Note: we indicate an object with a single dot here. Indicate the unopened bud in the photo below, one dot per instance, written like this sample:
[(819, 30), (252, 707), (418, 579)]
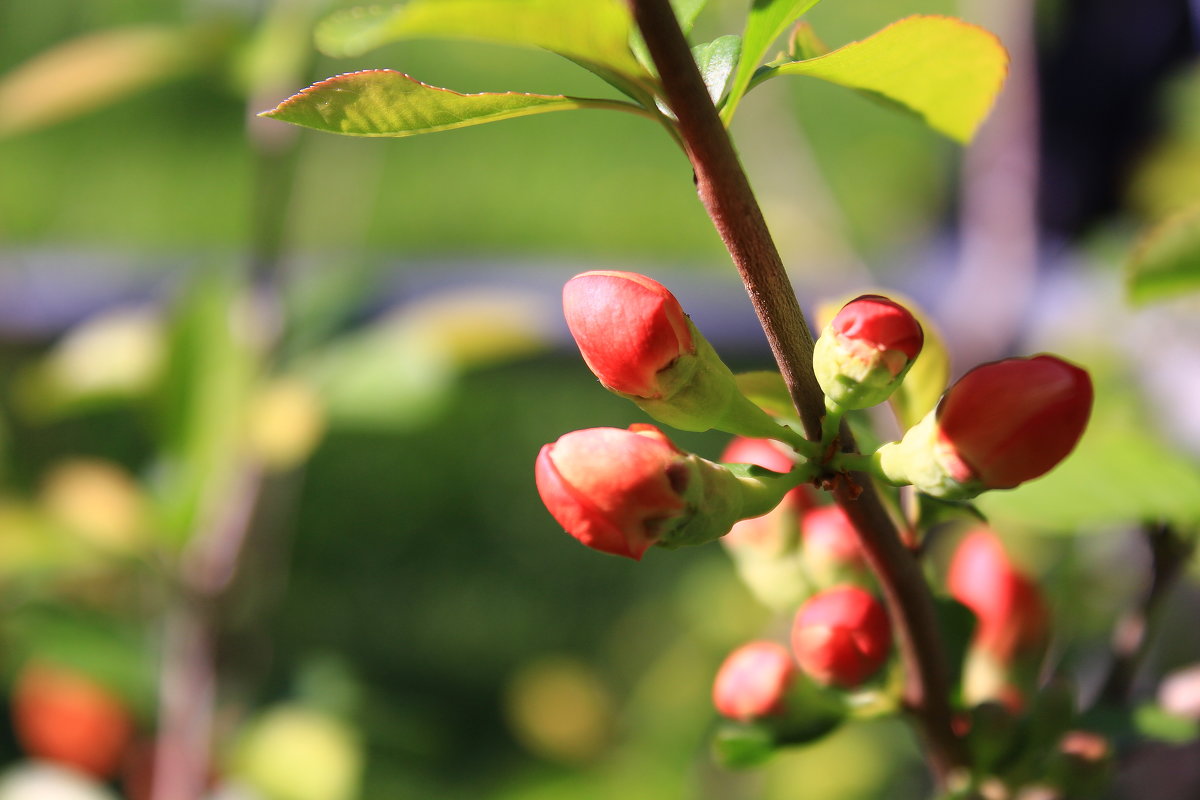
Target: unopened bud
[(635, 337), (841, 637), (753, 681), (1001, 424), (863, 354), (621, 491)]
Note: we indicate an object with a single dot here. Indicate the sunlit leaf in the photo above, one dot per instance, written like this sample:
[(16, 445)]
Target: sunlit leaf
[(767, 21), (1166, 262), (716, 61), (89, 72), (944, 70), (804, 43), (592, 31), (387, 103)]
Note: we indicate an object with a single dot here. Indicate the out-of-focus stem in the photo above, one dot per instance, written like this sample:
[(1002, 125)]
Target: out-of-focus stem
[(725, 192), (1169, 553)]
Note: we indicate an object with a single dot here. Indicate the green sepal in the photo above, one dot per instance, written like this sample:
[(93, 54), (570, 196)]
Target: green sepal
[(700, 393), (849, 380), (914, 460), (717, 496)]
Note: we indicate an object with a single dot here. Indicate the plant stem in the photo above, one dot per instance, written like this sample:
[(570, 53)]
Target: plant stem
[(1169, 554), (725, 193)]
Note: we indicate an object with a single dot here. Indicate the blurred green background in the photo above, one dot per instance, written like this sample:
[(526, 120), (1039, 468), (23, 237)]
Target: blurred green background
[(407, 621)]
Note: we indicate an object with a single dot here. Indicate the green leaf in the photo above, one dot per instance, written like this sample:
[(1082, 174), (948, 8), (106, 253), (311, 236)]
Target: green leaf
[(383, 102), (944, 70), (804, 43), (767, 21), (742, 746), (1120, 472), (1166, 262), (716, 61), (1153, 722), (767, 390), (213, 358), (595, 32)]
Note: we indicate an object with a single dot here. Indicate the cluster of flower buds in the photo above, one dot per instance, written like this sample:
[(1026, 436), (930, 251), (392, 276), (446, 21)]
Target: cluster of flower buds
[(624, 491), (840, 639)]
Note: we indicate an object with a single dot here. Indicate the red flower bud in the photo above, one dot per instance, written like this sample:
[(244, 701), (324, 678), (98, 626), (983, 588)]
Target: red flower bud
[(628, 328), (841, 637), (864, 352), (61, 716), (613, 489), (1011, 421), (753, 681), (878, 328), (1012, 614)]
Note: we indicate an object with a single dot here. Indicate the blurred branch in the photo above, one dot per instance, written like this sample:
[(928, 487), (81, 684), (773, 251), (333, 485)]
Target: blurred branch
[(1132, 636), (984, 306), (726, 194)]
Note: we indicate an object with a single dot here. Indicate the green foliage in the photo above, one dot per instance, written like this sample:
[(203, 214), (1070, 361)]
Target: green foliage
[(386, 103), (943, 70), (594, 32), (767, 21), (1166, 262), (716, 60)]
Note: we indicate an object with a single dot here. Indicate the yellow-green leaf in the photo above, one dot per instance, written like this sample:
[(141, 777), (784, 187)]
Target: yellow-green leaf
[(944, 70), (384, 102), (592, 31), (1166, 261), (767, 21)]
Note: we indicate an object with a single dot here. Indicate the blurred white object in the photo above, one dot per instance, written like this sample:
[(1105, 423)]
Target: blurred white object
[(39, 780), (1179, 693)]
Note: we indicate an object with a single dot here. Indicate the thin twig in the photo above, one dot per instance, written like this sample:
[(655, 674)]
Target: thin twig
[(725, 192), (1169, 553)]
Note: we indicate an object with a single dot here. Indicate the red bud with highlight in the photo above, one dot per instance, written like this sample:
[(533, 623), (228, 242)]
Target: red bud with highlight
[(841, 637), (634, 336), (864, 353), (629, 329), (613, 490), (621, 491), (1012, 615), (1001, 424), (753, 681), (63, 716)]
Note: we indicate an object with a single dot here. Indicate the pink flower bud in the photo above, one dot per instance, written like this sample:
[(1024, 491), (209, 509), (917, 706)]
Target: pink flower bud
[(841, 637), (613, 489), (1011, 421), (863, 354), (628, 328), (753, 681), (829, 536), (765, 453), (1012, 614)]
